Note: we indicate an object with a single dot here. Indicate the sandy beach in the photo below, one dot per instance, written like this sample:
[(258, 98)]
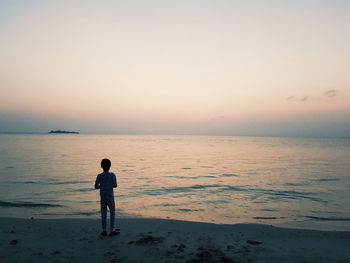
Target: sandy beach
[(157, 240)]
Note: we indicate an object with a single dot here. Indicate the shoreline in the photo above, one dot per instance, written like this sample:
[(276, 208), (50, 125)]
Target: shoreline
[(165, 240), (320, 224)]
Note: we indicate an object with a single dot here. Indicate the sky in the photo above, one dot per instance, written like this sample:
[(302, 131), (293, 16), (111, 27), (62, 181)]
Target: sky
[(257, 68)]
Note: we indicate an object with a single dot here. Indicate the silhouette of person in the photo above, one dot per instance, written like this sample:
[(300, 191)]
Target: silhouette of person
[(106, 181)]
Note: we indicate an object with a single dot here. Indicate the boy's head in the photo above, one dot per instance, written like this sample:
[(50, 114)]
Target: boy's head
[(105, 164)]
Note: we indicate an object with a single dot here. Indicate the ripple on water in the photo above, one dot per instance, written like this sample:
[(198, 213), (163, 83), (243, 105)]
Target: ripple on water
[(328, 180), (26, 204), (328, 218), (186, 210), (84, 189), (49, 182), (191, 177), (170, 190), (264, 217), (229, 175), (284, 194)]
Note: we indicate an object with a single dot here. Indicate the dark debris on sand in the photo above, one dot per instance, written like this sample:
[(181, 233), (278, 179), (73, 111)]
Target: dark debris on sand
[(14, 242), (210, 255), (148, 240), (253, 242), (179, 248), (116, 260), (176, 250)]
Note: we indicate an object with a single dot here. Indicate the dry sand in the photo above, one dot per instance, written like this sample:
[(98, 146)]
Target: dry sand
[(156, 240)]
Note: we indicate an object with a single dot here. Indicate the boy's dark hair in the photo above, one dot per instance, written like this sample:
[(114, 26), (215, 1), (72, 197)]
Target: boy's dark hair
[(105, 164)]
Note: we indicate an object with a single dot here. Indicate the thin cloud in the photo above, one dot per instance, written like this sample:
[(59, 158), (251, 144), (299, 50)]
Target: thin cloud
[(331, 93), (217, 118), (302, 99), (305, 98)]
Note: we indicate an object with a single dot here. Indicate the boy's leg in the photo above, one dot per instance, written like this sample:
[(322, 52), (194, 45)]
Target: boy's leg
[(104, 213), (111, 205)]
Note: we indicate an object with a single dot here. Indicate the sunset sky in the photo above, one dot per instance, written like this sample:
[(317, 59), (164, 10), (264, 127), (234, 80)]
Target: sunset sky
[(276, 68)]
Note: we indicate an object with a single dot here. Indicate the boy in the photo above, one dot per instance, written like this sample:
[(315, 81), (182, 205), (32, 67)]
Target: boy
[(106, 181)]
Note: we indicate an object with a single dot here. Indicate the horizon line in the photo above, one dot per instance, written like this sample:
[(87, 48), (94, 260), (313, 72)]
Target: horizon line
[(178, 134)]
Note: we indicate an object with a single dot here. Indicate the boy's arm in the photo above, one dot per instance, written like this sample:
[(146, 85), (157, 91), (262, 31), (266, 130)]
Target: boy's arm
[(97, 182), (115, 181)]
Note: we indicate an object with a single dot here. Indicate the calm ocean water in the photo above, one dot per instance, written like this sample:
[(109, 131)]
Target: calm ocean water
[(279, 181)]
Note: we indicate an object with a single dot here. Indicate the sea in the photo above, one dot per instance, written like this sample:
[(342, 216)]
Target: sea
[(288, 182)]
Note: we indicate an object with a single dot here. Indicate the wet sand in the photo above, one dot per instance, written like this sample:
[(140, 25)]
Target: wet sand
[(157, 240)]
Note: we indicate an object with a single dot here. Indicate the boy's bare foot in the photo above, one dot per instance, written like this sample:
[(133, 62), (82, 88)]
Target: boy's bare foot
[(114, 233), (103, 233)]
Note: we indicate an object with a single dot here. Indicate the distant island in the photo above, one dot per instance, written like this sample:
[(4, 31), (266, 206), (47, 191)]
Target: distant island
[(63, 132)]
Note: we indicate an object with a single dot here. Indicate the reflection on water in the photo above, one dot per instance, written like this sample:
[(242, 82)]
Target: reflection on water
[(199, 178)]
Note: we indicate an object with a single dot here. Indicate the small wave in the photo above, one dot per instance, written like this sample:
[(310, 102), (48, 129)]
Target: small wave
[(214, 202), (170, 190), (84, 189), (255, 193), (70, 214), (191, 177), (329, 218), (264, 217), (272, 194), (217, 202), (232, 188), (294, 184), (50, 182), (328, 179), (26, 204), (27, 182), (189, 210), (229, 175), (71, 182), (186, 168), (204, 186), (269, 210), (289, 194), (166, 205)]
